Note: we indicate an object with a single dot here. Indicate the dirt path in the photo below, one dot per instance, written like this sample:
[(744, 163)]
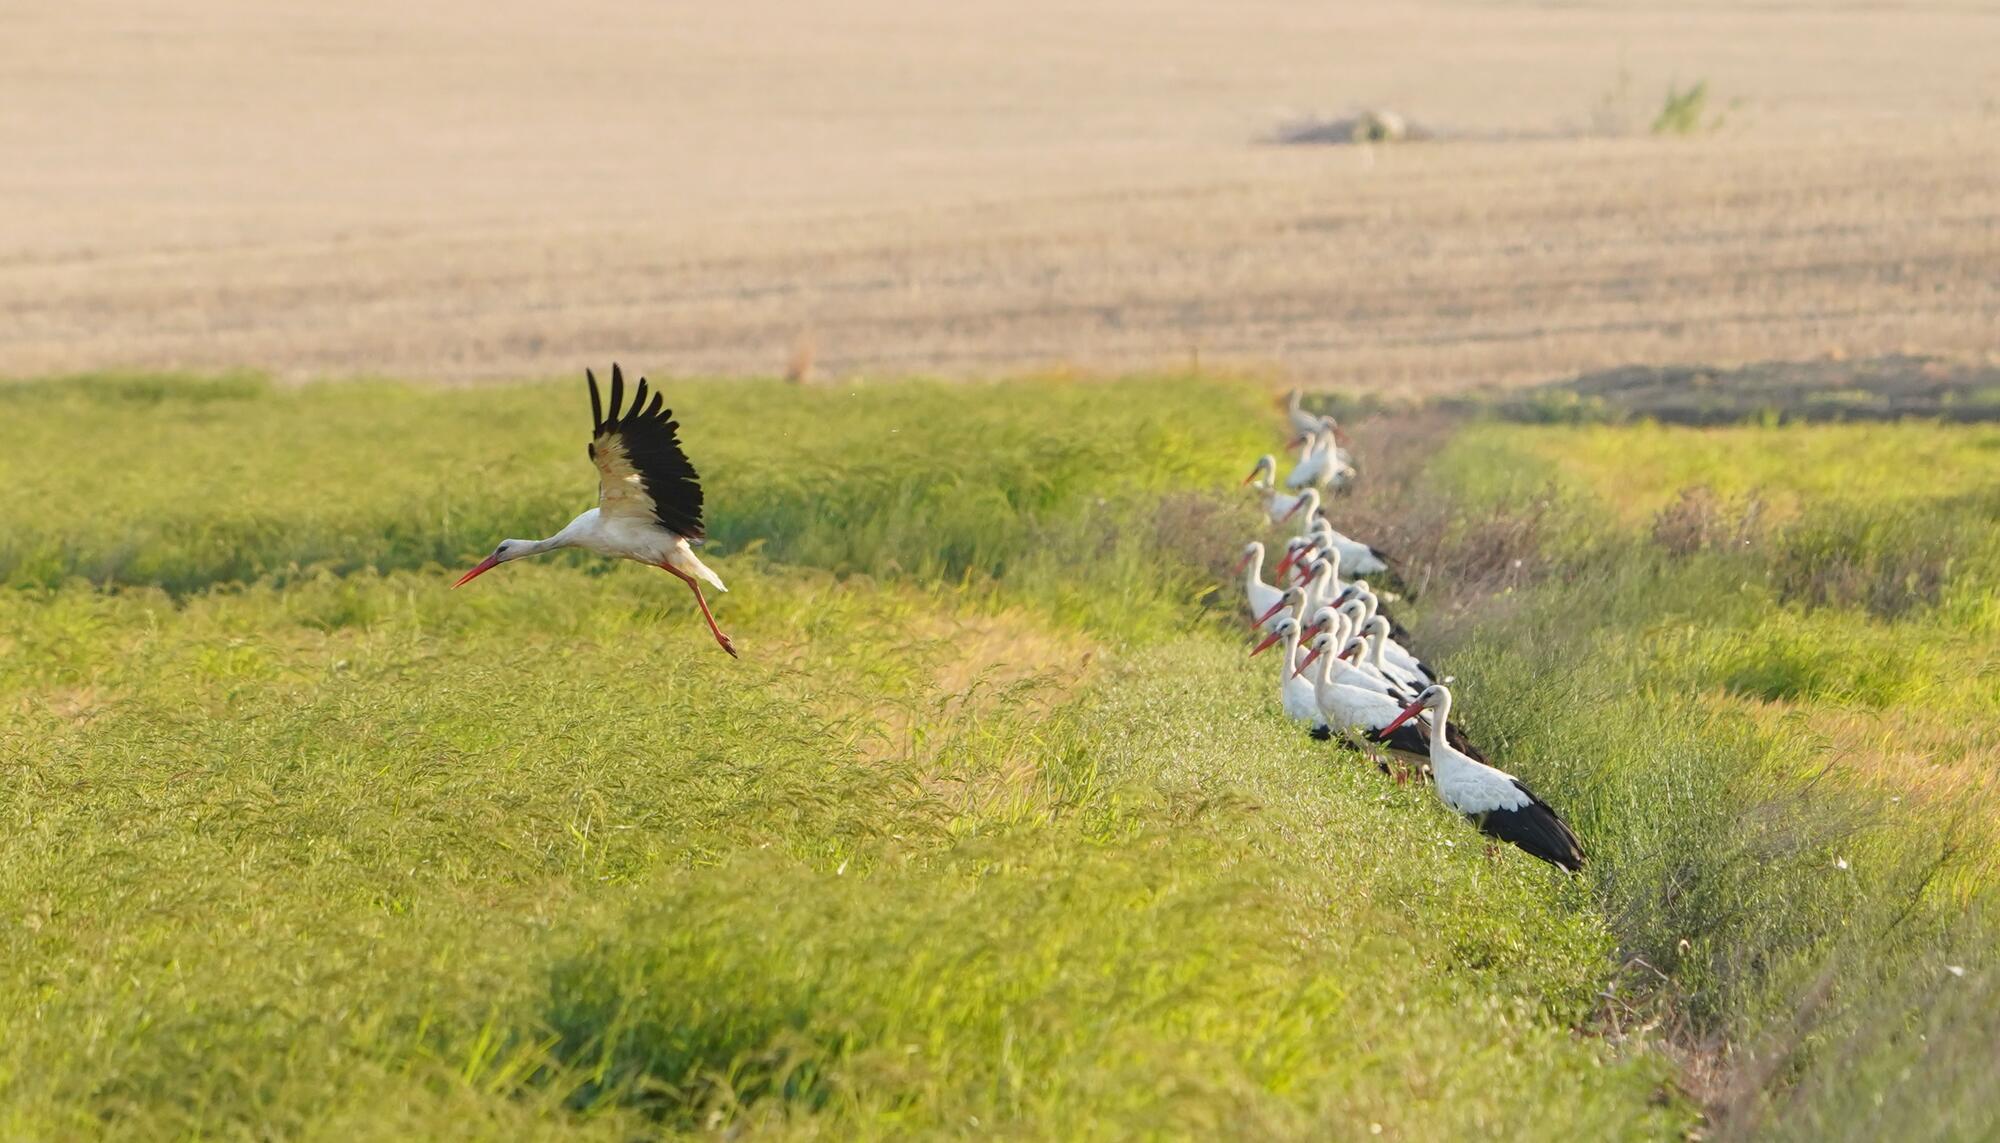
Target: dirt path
[(464, 191)]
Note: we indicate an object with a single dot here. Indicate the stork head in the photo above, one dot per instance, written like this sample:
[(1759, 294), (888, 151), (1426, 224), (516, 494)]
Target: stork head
[(1319, 644), (1254, 550), (1431, 697), (508, 550), (1284, 629), (1292, 598), (1321, 621), (1266, 465)]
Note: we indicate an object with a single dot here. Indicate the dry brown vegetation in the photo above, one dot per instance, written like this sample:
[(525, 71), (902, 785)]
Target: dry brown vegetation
[(463, 191)]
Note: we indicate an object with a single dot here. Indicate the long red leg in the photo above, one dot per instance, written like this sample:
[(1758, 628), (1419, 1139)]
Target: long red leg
[(705, 614)]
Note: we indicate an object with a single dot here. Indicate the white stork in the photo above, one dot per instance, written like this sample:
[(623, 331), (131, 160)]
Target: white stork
[(1322, 461), (648, 497), (1355, 714), (1369, 715), (1262, 597), (1263, 476), (1394, 649), (1317, 462), (1495, 800), (1303, 423), (1295, 694), (1292, 601), (1307, 425), (1358, 558), (1363, 674)]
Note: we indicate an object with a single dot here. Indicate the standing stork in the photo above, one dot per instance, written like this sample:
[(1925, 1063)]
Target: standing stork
[(1493, 799), (1263, 598), (648, 497), (1373, 717), (1303, 423), (1263, 476), (1295, 693)]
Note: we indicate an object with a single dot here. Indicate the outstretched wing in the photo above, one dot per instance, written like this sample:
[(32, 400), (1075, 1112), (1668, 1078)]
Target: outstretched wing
[(641, 471)]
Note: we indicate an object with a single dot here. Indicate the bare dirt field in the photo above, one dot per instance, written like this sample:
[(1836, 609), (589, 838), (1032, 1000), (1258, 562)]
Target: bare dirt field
[(461, 191)]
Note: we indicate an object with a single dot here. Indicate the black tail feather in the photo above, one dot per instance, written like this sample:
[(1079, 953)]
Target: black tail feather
[(1536, 829)]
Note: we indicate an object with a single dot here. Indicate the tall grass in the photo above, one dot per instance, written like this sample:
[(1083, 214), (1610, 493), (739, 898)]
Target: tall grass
[(991, 831), (1795, 915)]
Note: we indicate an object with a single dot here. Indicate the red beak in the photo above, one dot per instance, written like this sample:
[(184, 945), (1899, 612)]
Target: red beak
[(1306, 662), (1291, 510), (1409, 712), (485, 565), (1243, 563), (1309, 632), (1351, 652), (1272, 610), (1268, 640)]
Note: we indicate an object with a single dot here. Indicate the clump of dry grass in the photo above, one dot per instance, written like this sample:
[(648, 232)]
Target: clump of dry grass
[(799, 366), (1699, 520)]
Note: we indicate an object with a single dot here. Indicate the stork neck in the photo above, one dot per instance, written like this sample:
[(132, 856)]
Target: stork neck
[(1440, 715), (1309, 504), (1254, 573)]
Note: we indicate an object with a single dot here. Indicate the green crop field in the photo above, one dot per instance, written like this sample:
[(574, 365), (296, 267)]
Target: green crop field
[(992, 830)]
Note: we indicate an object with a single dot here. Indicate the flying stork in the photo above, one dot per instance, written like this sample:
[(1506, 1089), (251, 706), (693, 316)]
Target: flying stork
[(648, 497), (1495, 800)]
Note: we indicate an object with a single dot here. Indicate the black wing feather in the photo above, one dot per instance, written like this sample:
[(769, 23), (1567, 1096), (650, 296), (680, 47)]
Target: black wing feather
[(1536, 829), (650, 439)]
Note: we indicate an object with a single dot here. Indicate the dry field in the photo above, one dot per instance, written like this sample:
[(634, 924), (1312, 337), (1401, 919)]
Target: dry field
[(454, 190)]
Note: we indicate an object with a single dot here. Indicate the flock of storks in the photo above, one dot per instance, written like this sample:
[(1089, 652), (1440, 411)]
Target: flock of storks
[(1347, 671)]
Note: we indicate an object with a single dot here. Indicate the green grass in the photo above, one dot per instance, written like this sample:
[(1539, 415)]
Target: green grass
[(992, 831), (300, 842), (1777, 650)]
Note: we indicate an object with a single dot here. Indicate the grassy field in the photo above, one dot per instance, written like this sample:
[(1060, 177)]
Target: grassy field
[(992, 830)]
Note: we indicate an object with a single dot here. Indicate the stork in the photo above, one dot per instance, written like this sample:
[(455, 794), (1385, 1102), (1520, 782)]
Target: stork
[(1295, 694), (1317, 462), (1493, 799), (1292, 600), (648, 498), (1262, 597), (1358, 715), (1364, 673), (1396, 650), (1303, 423), (1370, 715), (1263, 476), (1357, 557)]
